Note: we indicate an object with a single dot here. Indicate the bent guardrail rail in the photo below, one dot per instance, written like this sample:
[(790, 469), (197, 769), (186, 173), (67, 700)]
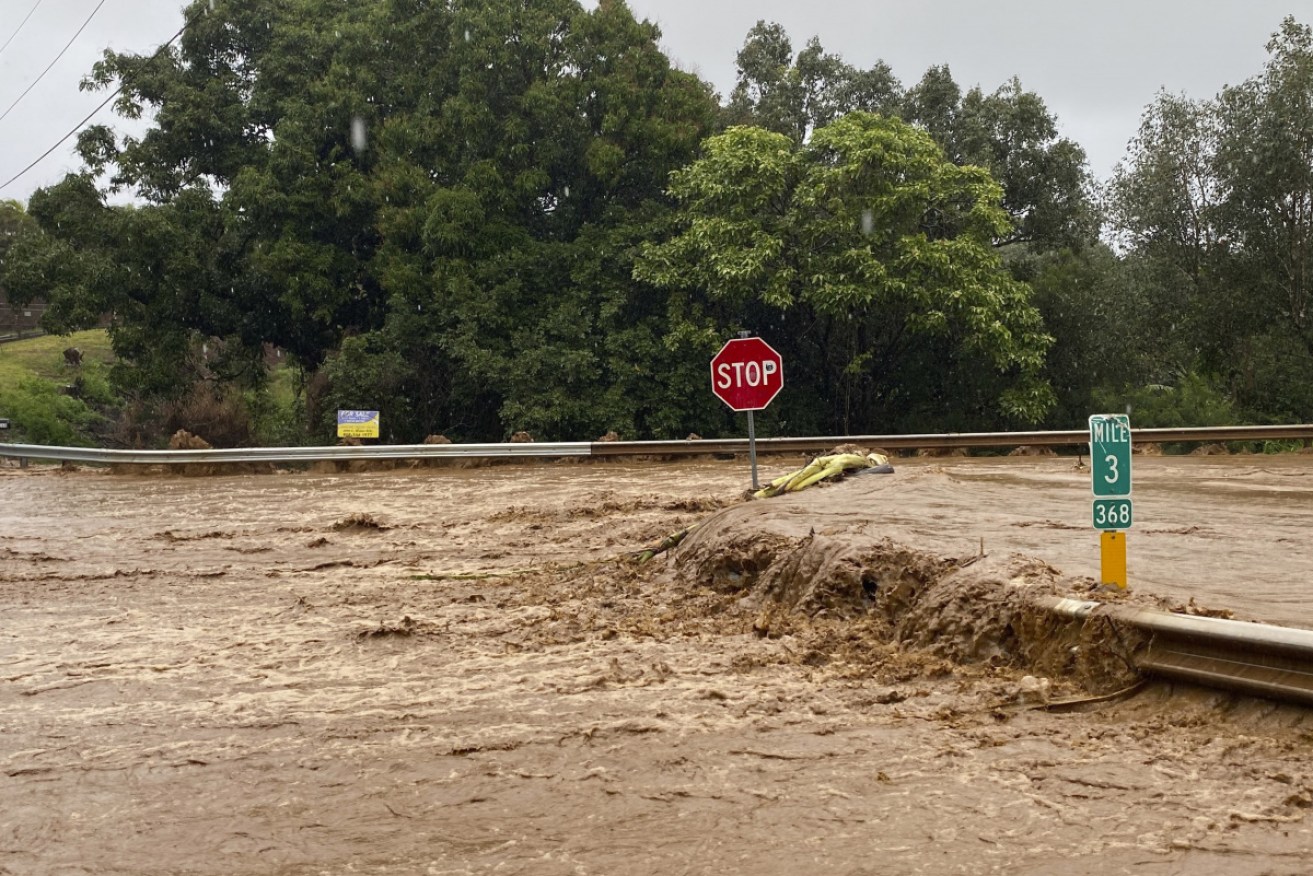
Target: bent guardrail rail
[(1240, 656)]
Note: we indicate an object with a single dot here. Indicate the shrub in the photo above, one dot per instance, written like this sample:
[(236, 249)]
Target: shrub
[(41, 414), (1193, 402), (217, 414)]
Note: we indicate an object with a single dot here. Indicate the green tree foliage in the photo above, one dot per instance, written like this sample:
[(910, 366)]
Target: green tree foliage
[(795, 96), (870, 256), (14, 222), (482, 216), (1264, 169), (1214, 204), (462, 186), (1163, 203), (1192, 401), (1047, 188), (1091, 303)]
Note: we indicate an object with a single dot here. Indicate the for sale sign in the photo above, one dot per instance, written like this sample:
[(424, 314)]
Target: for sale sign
[(357, 424)]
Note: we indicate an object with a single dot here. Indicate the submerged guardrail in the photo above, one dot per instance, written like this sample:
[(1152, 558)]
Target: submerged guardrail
[(1239, 656), (946, 441)]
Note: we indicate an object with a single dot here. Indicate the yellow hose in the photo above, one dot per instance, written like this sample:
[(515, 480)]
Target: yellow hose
[(819, 469)]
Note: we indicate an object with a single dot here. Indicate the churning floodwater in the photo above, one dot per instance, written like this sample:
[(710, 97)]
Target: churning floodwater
[(456, 670)]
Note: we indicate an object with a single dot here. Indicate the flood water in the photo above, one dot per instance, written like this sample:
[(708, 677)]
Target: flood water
[(458, 671), (1231, 532)]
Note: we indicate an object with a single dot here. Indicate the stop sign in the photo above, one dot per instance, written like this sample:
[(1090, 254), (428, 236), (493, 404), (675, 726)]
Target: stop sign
[(747, 374)]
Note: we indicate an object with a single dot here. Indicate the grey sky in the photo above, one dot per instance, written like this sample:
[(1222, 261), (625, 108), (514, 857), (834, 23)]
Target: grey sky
[(1095, 64)]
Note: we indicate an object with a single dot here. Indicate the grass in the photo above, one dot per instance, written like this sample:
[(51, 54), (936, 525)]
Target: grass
[(35, 395), (43, 357), (33, 388)]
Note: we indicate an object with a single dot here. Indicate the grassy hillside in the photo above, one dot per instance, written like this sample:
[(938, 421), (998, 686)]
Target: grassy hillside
[(48, 401), (44, 356)]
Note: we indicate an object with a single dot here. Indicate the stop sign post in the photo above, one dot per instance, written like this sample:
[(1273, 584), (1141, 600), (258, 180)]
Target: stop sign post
[(747, 374)]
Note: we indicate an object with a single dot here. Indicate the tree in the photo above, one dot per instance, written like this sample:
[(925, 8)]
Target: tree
[(459, 186), (1163, 203), (1215, 204), (1093, 305), (1264, 170), (157, 271), (934, 104), (14, 222), (1047, 188), (796, 96), (869, 247)]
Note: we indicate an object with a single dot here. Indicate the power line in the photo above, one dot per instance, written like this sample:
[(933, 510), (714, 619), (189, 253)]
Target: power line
[(20, 25), (79, 125), (54, 62), (6, 183)]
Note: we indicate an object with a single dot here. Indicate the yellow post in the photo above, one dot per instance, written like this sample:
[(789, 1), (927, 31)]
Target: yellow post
[(1113, 553)]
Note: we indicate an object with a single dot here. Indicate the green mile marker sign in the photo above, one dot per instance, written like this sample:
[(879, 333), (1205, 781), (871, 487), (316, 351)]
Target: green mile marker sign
[(1110, 454), (1110, 472)]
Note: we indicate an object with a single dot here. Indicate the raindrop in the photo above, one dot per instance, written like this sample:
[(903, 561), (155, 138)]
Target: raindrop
[(566, 192), (868, 221), (358, 134), (467, 34), (211, 5)]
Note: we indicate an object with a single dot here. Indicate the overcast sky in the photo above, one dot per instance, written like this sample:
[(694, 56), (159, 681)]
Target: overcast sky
[(1096, 64)]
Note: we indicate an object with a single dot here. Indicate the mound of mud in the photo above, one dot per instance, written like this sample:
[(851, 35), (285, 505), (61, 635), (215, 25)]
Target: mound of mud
[(970, 610), (194, 469), (360, 523)]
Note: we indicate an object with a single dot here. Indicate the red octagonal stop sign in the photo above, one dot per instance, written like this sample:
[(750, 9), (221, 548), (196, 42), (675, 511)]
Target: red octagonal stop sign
[(747, 374)]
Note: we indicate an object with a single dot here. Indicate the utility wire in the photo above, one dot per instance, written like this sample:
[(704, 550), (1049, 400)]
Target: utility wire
[(6, 183), (20, 25), (79, 125), (54, 62)]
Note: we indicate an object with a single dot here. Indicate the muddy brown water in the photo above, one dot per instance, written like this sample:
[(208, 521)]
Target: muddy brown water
[(448, 671)]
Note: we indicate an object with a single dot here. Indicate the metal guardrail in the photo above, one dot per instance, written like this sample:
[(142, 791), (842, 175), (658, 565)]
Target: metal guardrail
[(293, 454), (1252, 658), (948, 441), (952, 440)]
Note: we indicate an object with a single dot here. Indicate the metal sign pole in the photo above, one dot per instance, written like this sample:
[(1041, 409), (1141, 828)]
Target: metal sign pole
[(752, 435), (752, 450)]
